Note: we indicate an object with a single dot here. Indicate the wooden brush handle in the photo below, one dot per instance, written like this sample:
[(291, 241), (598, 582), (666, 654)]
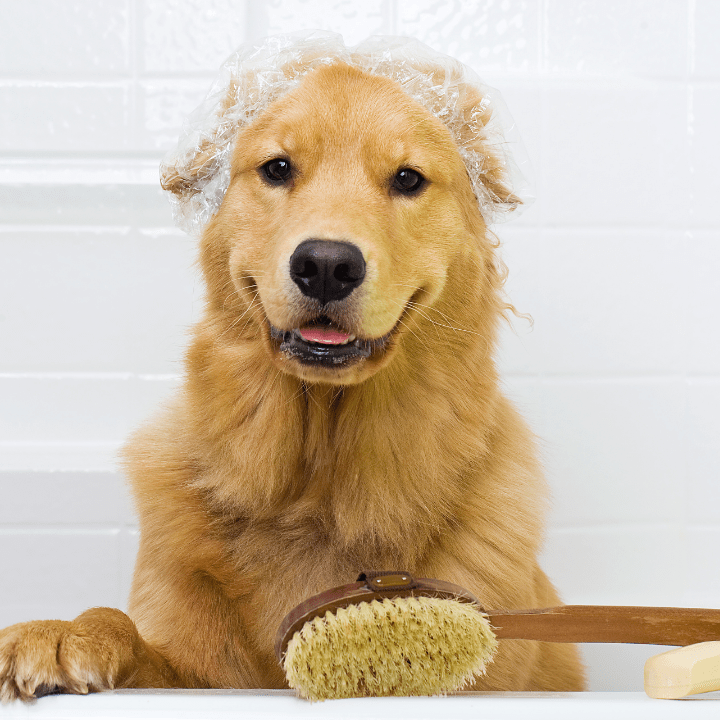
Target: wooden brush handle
[(607, 624)]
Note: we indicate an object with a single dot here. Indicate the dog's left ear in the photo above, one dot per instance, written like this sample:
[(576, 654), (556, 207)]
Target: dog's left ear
[(478, 135)]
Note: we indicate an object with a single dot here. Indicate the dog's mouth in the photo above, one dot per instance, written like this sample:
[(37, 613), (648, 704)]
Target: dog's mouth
[(323, 343)]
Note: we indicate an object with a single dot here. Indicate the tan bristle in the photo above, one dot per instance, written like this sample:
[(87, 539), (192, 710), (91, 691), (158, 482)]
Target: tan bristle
[(400, 646)]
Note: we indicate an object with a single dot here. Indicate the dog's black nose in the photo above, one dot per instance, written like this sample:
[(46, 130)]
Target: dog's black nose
[(327, 269)]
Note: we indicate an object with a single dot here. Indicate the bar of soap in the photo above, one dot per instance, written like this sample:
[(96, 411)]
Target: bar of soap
[(684, 671)]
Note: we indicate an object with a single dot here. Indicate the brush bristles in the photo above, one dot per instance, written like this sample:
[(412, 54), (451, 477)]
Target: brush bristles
[(401, 646)]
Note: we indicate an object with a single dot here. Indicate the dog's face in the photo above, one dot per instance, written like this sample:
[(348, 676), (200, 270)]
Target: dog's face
[(348, 203)]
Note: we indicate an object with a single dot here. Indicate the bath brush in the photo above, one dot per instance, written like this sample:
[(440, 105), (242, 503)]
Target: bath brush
[(392, 634)]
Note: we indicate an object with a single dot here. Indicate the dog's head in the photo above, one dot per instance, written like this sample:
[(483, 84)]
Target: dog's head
[(348, 207)]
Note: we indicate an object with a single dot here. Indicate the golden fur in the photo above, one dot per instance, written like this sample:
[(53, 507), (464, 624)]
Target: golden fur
[(269, 480)]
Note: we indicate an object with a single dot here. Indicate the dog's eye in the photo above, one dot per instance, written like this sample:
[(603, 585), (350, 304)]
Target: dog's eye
[(277, 171), (408, 181)]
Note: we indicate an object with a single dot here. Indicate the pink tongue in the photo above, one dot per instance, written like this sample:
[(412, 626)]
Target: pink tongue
[(326, 337)]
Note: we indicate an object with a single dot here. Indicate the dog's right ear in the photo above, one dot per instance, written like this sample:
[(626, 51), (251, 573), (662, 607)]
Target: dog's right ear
[(187, 172), (184, 179)]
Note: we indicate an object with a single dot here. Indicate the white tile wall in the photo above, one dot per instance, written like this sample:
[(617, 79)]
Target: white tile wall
[(356, 20), (75, 408), (705, 60), (615, 152), (703, 586), (613, 450), (57, 38), (704, 109), (163, 105), (619, 565), (77, 117), (491, 36), (143, 290), (63, 571), (599, 299), (703, 455), (617, 262), (65, 500), (186, 36), (601, 37)]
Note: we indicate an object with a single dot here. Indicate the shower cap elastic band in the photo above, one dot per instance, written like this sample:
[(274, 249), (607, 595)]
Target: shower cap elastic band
[(256, 75)]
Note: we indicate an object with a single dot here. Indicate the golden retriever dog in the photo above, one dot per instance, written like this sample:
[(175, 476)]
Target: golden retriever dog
[(340, 408)]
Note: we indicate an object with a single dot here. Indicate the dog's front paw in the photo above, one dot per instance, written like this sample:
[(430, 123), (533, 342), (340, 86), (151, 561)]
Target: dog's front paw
[(81, 656)]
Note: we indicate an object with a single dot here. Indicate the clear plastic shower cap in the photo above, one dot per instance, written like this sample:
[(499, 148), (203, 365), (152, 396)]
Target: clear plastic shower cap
[(197, 172)]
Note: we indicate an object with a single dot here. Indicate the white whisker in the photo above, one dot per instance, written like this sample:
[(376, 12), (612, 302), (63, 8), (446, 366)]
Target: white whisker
[(255, 303), (450, 327), (448, 323)]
